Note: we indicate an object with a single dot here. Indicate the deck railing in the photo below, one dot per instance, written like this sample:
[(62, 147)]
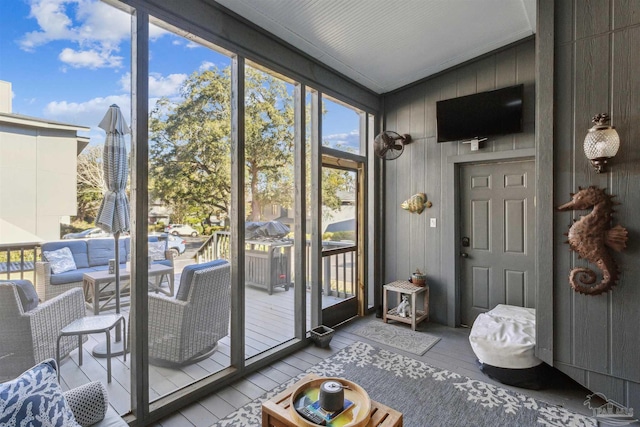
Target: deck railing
[(338, 260), (17, 260)]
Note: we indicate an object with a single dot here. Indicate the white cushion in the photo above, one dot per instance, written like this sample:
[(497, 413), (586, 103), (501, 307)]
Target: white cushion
[(505, 337), (61, 260)]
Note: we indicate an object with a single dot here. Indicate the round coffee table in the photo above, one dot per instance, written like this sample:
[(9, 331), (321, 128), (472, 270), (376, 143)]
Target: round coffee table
[(356, 415)]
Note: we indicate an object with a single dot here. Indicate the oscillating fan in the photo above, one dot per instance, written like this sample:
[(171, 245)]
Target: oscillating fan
[(389, 145)]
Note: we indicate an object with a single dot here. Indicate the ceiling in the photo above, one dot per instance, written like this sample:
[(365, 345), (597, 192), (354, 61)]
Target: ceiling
[(387, 44)]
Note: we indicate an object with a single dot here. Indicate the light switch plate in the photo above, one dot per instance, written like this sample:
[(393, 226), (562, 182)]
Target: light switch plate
[(432, 222)]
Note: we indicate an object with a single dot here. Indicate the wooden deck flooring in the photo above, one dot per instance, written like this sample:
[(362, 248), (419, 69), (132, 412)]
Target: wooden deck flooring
[(270, 322), (452, 352)]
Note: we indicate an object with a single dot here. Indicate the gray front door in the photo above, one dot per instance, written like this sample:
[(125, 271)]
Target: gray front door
[(497, 237)]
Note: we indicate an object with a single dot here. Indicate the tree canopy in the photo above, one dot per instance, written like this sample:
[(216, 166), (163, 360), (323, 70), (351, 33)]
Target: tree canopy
[(190, 147)]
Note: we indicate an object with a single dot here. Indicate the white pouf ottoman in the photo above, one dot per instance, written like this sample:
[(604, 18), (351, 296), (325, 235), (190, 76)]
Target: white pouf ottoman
[(503, 340)]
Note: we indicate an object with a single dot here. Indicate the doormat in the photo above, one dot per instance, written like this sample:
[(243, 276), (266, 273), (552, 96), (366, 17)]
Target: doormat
[(398, 336), (426, 396)]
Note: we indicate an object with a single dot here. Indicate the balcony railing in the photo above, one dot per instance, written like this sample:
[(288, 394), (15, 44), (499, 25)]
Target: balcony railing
[(17, 260), (338, 260)]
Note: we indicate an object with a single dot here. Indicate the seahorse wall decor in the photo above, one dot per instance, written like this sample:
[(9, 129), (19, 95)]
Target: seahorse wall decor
[(591, 237)]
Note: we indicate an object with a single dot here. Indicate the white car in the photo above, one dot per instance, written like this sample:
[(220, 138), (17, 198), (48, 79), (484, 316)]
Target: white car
[(181, 230), (90, 233)]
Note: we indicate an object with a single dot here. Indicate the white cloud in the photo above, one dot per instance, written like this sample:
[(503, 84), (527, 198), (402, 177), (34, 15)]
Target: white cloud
[(169, 86), (193, 45), (159, 85), (96, 28), (89, 59), (88, 113), (351, 139), (206, 65), (53, 21)]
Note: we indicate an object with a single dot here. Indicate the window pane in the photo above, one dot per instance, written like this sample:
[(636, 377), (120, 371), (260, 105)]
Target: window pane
[(340, 127), (62, 68), (189, 192), (269, 151)]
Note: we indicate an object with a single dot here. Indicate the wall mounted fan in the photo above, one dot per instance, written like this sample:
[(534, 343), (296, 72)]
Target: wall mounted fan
[(389, 145)]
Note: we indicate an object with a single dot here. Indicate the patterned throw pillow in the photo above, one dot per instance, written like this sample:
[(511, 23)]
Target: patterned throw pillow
[(61, 260), (156, 250), (35, 399)]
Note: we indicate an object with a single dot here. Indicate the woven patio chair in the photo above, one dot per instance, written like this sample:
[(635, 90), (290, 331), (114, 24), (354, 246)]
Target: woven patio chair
[(27, 338), (186, 329)]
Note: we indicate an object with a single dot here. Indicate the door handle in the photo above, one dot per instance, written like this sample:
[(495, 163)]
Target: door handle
[(464, 255)]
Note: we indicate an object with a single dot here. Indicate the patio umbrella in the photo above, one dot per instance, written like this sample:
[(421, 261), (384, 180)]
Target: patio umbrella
[(113, 215)]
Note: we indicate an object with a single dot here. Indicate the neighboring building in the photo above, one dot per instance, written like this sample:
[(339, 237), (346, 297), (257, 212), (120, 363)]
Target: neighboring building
[(38, 169), (159, 212)]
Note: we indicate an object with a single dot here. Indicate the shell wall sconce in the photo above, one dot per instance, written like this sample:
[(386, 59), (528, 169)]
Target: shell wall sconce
[(416, 203)]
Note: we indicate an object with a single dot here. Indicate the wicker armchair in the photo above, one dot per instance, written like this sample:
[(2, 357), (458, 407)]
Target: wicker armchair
[(186, 329), (27, 338)]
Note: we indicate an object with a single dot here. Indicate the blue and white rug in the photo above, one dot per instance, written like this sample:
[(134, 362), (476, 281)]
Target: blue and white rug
[(425, 395)]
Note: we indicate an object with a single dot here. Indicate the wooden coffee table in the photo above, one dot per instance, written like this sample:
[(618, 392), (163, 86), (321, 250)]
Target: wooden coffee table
[(99, 294), (276, 412)]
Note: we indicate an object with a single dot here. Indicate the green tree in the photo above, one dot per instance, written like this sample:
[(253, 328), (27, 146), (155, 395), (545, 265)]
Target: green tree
[(269, 141), (190, 157), (191, 151)]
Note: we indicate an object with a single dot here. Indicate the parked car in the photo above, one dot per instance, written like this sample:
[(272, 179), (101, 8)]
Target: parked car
[(181, 230), (87, 234), (176, 244)]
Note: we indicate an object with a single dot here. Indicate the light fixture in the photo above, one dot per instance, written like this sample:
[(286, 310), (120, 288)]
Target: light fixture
[(601, 143)]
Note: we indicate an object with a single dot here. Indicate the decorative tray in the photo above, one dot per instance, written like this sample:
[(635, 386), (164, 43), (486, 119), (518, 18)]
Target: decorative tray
[(357, 413)]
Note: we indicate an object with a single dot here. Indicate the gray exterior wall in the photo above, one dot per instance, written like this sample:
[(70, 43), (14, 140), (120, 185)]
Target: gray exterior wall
[(597, 339), (37, 178), (427, 166)]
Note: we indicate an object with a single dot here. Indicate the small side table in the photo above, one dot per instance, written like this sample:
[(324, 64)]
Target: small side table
[(405, 287), (92, 325)]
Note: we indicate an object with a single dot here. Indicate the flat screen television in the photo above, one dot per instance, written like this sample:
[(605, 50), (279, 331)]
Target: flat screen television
[(496, 112)]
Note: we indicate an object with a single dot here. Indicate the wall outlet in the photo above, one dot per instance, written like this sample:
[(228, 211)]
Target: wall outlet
[(432, 222)]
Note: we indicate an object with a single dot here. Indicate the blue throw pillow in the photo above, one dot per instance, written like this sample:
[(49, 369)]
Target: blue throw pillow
[(35, 399)]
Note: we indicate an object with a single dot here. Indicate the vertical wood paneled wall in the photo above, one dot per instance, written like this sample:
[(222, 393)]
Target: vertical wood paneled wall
[(410, 242), (597, 338)]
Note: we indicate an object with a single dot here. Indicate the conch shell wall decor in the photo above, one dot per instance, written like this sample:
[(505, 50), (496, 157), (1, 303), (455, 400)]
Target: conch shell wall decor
[(416, 203), (591, 237)]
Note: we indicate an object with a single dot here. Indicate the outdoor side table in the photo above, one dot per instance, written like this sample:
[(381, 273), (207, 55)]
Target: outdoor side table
[(92, 325), (405, 287)]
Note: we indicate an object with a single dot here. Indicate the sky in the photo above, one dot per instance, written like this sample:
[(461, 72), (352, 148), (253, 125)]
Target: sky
[(69, 60)]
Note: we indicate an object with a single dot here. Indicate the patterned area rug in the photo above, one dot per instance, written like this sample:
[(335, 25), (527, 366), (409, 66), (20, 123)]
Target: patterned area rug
[(425, 395), (398, 336)]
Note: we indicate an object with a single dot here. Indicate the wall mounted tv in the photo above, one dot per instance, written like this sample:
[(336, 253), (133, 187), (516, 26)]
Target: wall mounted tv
[(496, 112)]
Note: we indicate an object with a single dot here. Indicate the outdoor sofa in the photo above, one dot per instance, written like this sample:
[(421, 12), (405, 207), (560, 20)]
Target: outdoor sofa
[(59, 271)]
